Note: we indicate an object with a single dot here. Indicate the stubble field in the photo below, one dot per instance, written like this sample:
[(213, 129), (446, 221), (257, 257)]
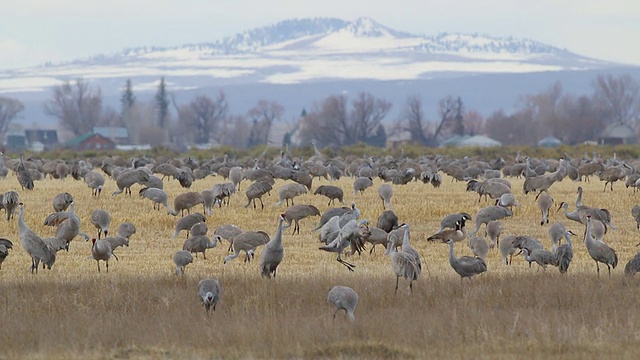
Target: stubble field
[(141, 309)]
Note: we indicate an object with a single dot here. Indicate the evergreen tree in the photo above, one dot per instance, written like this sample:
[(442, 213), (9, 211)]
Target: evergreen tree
[(127, 100), (162, 104)]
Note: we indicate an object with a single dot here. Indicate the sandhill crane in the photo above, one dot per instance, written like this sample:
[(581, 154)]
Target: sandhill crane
[(10, 201), (406, 247), (101, 219), (289, 191), (199, 229), (388, 221), (33, 244), (403, 264), (24, 176), (494, 229), (247, 241), (545, 201), (209, 201), (613, 174), (125, 180), (223, 191), (228, 232), (95, 181), (507, 249), (478, 246), (181, 259), (56, 244), (336, 212), (296, 213), (458, 234), (273, 252), (5, 246), (68, 224), (581, 213), (351, 234), (126, 229), (450, 220), (235, 175), (385, 191), (361, 184), (102, 250), (633, 266), (117, 241), (465, 266), (256, 191), (564, 253), (490, 213), (635, 212), (200, 243), (330, 191), (62, 201), (377, 237), (541, 257), (556, 233), (186, 201), (209, 291), (343, 298), (507, 200), (599, 251), (158, 197), (186, 222)]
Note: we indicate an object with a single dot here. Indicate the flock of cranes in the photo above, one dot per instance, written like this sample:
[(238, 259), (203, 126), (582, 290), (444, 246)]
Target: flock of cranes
[(341, 230)]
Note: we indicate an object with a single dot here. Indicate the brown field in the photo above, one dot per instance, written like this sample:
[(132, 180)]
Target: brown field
[(140, 309)]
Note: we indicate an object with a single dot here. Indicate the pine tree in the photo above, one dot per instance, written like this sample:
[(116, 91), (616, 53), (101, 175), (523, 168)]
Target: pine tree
[(127, 100), (162, 104)]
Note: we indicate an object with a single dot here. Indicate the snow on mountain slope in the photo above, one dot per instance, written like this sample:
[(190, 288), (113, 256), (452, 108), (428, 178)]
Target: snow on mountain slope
[(308, 50)]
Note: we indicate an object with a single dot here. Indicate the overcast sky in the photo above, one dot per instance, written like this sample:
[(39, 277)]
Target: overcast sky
[(35, 31)]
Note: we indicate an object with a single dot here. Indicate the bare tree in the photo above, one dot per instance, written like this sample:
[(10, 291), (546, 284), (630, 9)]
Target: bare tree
[(450, 109), (205, 116), (367, 113), (620, 96), (415, 121), (77, 107), (9, 110), (263, 116), (237, 131)]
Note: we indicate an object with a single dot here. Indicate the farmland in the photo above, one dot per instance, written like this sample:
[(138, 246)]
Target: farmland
[(141, 309)]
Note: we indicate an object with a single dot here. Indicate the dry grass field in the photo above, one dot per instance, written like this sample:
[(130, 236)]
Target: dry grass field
[(141, 309)]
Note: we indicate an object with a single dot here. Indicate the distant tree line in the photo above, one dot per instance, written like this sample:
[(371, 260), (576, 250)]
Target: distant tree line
[(339, 120)]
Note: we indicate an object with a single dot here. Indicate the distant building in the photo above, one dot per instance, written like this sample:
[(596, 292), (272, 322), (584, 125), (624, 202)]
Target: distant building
[(617, 134), (550, 142), (480, 141), (90, 141), (47, 139), (119, 135), (398, 139), (16, 141)]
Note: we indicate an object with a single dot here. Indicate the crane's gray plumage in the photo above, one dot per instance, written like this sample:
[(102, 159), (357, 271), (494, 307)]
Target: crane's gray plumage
[(352, 235), (632, 267), (387, 221), (564, 253), (117, 241), (343, 298), (102, 250), (385, 191), (361, 184), (186, 222), (465, 266), (273, 252), (635, 212), (185, 201), (330, 191), (181, 259), (541, 257), (599, 251), (545, 201), (126, 229), (494, 229), (479, 247), (289, 191), (256, 191), (209, 291), (228, 232), (95, 181), (402, 264), (101, 219), (5, 246), (490, 213), (200, 243), (296, 213), (158, 197), (10, 202), (62, 201), (125, 180), (24, 176), (33, 244), (247, 241)]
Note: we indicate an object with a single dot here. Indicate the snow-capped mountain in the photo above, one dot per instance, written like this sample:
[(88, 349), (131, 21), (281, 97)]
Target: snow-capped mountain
[(303, 51)]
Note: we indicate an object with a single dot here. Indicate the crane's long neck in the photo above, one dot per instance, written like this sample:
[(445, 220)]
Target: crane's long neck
[(277, 240), (579, 199), (453, 260), (587, 238), (22, 227), (568, 237), (213, 242), (405, 240)]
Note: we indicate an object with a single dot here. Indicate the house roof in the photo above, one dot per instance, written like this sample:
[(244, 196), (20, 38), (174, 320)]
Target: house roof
[(479, 140), (81, 138), (618, 130), (43, 136), (550, 141), (112, 132)]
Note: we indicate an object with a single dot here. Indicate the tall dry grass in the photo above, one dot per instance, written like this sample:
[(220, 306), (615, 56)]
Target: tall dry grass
[(140, 309)]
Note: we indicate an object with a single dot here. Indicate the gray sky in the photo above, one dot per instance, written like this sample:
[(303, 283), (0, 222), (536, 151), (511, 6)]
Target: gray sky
[(35, 31)]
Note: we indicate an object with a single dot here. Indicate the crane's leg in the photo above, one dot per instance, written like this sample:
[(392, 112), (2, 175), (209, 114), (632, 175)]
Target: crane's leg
[(598, 268), (605, 186), (98, 261), (397, 278), (411, 286), (107, 265), (609, 268)]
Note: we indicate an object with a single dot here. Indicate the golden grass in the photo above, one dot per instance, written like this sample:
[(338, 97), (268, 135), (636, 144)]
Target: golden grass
[(140, 309)]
